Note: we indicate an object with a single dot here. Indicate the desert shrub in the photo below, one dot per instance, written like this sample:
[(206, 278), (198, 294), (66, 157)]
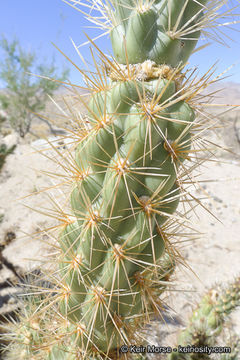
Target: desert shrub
[(26, 95)]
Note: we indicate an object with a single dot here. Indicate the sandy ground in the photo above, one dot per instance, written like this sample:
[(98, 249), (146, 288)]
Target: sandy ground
[(214, 257)]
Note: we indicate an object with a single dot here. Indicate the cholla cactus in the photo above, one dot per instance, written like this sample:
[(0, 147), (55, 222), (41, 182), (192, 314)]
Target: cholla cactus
[(207, 321), (137, 148)]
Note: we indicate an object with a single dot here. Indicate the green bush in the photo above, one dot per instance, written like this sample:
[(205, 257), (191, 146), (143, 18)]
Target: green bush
[(25, 95)]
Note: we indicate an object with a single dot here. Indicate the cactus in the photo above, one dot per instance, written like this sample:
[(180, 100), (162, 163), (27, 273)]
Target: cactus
[(137, 147), (207, 322)]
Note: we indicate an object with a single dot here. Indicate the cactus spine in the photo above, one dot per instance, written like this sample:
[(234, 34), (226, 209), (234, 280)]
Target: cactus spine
[(136, 149)]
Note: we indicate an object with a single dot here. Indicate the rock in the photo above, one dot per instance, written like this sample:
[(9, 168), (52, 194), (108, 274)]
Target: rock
[(10, 140)]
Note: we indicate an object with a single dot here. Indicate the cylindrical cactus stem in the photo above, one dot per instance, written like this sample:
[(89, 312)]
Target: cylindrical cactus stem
[(154, 31), (138, 138)]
